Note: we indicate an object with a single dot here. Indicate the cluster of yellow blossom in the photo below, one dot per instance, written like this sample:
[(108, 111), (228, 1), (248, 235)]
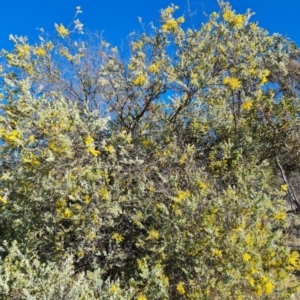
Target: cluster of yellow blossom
[(247, 105), (40, 51), (180, 288), (140, 80), (235, 20), (23, 50), (62, 31), (153, 235), (137, 45), (232, 82), (89, 142), (154, 68), (170, 25), (264, 76), (117, 237)]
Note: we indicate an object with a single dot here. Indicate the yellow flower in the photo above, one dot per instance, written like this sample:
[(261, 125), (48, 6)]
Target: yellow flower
[(284, 187), (91, 235), (140, 80), (49, 46), (23, 51), (80, 253), (169, 10), (268, 288), (180, 20), (232, 82), (88, 140), (3, 200), (104, 193), (153, 68), (180, 288), (280, 216), (264, 77), (238, 21), (253, 26), (170, 25), (117, 237), (293, 259), (62, 31), (93, 151), (153, 235), (216, 252), (246, 257), (228, 15), (202, 185), (67, 214), (40, 51), (141, 297), (247, 105), (113, 289), (137, 45), (87, 199), (109, 149), (182, 195)]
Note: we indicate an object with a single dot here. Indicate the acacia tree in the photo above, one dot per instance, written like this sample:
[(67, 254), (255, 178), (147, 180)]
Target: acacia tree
[(154, 176)]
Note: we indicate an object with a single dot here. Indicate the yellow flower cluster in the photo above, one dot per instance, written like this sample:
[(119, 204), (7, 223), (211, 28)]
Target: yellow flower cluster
[(180, 288), (137, 45), (153, 235), (234, 20), (264, 77), (62, 31), (232, 82), (141, 297), (23, 50), (89, 142), (40, 51), (170, 25), (140, 80), (247, 105), (181, 195), (246, 257), (153, 68), (117, 237)]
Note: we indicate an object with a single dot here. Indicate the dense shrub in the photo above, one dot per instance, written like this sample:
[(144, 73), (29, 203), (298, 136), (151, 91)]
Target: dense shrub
[(154, 177)]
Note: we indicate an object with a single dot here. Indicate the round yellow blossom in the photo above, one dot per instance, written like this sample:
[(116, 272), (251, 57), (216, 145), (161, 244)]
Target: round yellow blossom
[(180, 288), (113, 289), (247, 105), (170, 25), (80, 253), (93, 151), (153, 68), (40, 51), (88, 140), (62, 31), (293, 259), (140, 80), (180, 20), (232, 82), (67, 214), (141, 297), (246, 257), (284, 187), (117, 237), (280, 216), (238, 21), (228, 15), (153, 235)]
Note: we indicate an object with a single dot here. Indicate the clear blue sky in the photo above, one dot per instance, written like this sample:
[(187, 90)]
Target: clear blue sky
[(117, 18)]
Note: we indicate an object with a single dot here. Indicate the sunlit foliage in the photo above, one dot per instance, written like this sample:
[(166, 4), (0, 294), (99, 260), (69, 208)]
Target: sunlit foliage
[(153, 176)]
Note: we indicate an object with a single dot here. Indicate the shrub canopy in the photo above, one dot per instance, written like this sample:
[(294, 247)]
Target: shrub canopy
[(153, 173)]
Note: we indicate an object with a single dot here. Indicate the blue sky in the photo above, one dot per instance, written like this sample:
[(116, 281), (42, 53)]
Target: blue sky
[(117, 18)]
